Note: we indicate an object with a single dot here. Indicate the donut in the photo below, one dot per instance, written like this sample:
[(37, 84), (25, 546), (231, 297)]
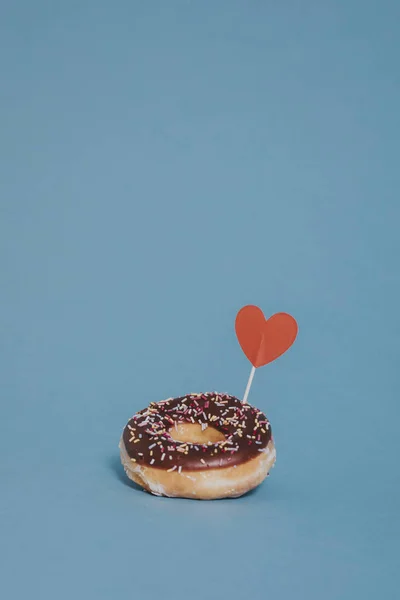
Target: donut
[(201, 446)]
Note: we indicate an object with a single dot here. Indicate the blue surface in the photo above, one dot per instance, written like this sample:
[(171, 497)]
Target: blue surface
[(163, 164)]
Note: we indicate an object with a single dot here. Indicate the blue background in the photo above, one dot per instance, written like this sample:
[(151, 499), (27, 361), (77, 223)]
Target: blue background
[(164, 163)]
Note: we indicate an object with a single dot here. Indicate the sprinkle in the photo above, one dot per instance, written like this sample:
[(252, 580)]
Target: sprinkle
[(172, 469), (152, 446), (179, 469), (163, 456), (133, 459), (203, 461), (152, 461), (136, 441)]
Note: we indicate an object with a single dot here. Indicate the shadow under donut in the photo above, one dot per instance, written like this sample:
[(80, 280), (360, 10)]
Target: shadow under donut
[(116, 467)]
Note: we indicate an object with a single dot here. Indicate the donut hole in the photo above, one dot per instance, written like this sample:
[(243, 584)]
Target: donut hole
[(193, 433)]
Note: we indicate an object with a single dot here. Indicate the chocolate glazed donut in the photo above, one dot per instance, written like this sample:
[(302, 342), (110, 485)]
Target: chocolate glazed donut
[(201, 446)]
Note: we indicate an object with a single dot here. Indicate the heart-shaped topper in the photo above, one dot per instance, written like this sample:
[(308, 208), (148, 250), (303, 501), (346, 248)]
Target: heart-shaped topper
[(263, 340)]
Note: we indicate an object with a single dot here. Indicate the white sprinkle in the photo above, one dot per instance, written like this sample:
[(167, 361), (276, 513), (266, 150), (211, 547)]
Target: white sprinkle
[(152, 446), (162, 456), (179, 469), (152, 461), (173, 469)]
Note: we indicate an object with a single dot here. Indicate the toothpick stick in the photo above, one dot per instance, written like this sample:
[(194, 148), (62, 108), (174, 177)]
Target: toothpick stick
[(250, 381)]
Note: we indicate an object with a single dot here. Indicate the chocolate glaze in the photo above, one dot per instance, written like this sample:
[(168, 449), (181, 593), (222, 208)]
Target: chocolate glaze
[(148, 441)]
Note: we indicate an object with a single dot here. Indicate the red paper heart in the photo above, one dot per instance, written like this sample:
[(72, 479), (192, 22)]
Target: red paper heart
[(263, 340)]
